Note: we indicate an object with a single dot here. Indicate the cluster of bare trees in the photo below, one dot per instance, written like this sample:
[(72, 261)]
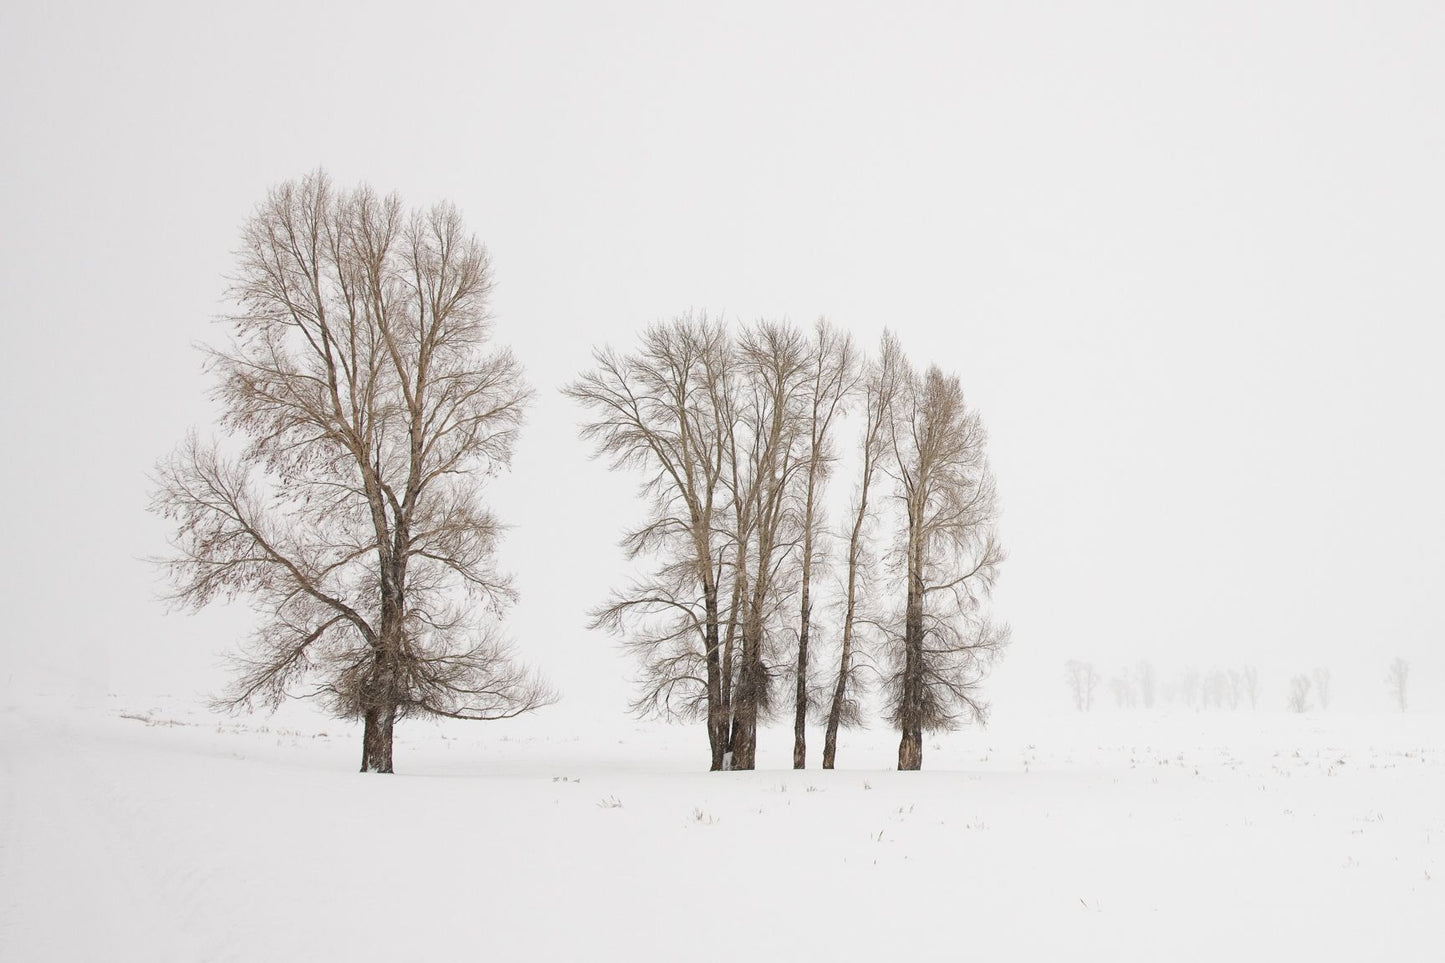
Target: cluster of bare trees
[(1220, 688), (1134, 686), (366, 405), (1298, 699), (1137, 687), (1301, 686), (1317, 683), (1231, 688), (736, 433), (1082, 680)]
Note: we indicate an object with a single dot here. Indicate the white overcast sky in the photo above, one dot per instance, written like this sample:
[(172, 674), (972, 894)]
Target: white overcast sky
[(1186, 258)]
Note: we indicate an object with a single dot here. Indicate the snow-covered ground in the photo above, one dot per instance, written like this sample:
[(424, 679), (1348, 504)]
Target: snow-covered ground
[(162, 832)]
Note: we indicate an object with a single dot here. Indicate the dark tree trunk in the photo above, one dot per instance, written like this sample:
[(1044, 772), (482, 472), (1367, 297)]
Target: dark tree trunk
[(744, 738), (840, 687), (717, 736), (800, 711), (730, 682), (835, 714), (717, 717), (910, 715), (845, 661), (379, 695), (376, 740), (744, 741), (910, 750), (800, 699)]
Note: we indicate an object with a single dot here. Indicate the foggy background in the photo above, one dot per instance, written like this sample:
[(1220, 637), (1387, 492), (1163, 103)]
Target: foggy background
[(1187, 264)]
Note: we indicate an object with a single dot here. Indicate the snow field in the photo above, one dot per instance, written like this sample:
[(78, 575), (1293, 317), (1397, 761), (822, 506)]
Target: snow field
[(166, 833)]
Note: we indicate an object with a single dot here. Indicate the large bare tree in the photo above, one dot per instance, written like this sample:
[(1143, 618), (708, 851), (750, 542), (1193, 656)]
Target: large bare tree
[(944, 642), (366, 405)]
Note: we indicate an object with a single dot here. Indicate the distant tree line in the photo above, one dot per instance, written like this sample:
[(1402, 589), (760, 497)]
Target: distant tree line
[(1135, 687)]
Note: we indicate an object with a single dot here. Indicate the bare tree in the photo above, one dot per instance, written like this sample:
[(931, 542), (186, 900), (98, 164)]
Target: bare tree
[(1144, 672), (1322, 687), (1299, 694), (880, 387), (1122, 688), (1234, 688), (949, 559), (1250, 676), (765, 454), (1189, 686), (1082, 680), (361, 380), (666, 410), (1398, 675), (832, 377), (1216, 685)]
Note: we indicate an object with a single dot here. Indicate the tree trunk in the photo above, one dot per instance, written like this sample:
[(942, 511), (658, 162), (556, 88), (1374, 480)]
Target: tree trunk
[(830, 739), (910, 716), (910, 745), (910, 750), (730, 681), (717, 729), (800, 712), (376, 739), (835, 714), (845, 661), (744, 741), (379, 695), (840, 688), (800, 701), (717, 736)]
